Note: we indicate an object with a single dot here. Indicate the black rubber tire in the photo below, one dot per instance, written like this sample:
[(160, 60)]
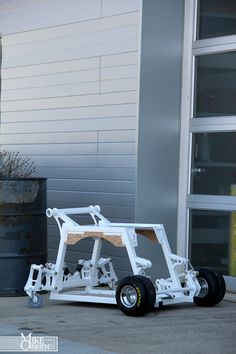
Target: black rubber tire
[(144, 291), (210, 279), (222, 287), (151, 291)]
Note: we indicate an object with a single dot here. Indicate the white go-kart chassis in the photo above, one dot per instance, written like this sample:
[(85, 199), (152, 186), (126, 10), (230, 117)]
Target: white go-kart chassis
[(95, 281)]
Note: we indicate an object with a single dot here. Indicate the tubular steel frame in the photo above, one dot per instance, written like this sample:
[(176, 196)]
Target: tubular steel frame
[(85, 284)]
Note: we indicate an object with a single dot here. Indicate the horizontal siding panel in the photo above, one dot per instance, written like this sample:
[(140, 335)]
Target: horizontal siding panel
[(70, 126), (12, 5), (74, 41), (92, 198), (81, 250), (105, 186), (87, 88), (88, 112), (117, 254), (117, 136), (117, 72), (114, 7), (51, 79), (73, 53), (74, 101), (96, 25), (8, 6), (42, 8), (49, 138), (56, 149), (51, 68), (84, 245), (124, 174), (84, 219), (69, 101), (119, 85), (52, 255), (68, 161), (30, 22), (86, 161), (119, 59), (53, 242), (117, 161), (123, 212), (116, 148)]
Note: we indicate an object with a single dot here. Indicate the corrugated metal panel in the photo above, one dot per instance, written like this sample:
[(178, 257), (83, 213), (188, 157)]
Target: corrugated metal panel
[(69, 100)]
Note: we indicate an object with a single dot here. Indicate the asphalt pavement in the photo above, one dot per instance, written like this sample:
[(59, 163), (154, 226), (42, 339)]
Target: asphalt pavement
[(102, 329)]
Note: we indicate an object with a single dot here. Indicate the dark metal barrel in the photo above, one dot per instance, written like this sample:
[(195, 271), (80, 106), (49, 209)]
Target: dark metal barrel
[(23, 231)]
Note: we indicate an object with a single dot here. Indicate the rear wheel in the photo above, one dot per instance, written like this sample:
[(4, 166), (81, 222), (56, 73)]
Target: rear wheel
[(151, 291), (135, 295), (222, 287), (211, 288)]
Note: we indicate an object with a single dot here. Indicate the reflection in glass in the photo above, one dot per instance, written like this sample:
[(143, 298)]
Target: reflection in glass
[(212, 240), (213, 163), (216, 18), (215, 88)]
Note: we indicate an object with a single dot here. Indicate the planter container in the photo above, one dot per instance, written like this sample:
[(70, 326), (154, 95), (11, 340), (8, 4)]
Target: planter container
[(23, 231)]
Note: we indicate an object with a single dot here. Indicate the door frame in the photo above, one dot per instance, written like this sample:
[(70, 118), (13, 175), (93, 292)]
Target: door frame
[(191, 49)]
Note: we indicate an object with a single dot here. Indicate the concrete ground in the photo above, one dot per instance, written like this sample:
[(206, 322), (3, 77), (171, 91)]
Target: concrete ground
[(103, 329)]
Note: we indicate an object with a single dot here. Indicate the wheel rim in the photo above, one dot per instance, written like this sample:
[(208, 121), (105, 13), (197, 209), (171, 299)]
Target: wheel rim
[(204, 287), (128, 296), (35, 299)]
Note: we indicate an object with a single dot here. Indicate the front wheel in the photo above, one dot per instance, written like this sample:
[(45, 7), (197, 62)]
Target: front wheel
[(212, 288), (135, 295), (35, 302)]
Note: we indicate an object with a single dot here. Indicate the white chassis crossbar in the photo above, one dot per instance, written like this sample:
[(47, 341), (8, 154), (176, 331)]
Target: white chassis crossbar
[(95, 280)]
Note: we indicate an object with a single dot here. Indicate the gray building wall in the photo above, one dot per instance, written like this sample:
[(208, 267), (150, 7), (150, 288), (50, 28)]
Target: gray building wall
[(159, 118), (69, 100), (70, 75)]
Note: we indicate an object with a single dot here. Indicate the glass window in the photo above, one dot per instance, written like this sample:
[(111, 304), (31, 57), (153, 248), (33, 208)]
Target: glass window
[(213, 163), (215, 85), (216, 18), (213, 240)]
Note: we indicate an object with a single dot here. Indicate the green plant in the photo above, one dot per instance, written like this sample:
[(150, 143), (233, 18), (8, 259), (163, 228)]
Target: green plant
[(12, 165)]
